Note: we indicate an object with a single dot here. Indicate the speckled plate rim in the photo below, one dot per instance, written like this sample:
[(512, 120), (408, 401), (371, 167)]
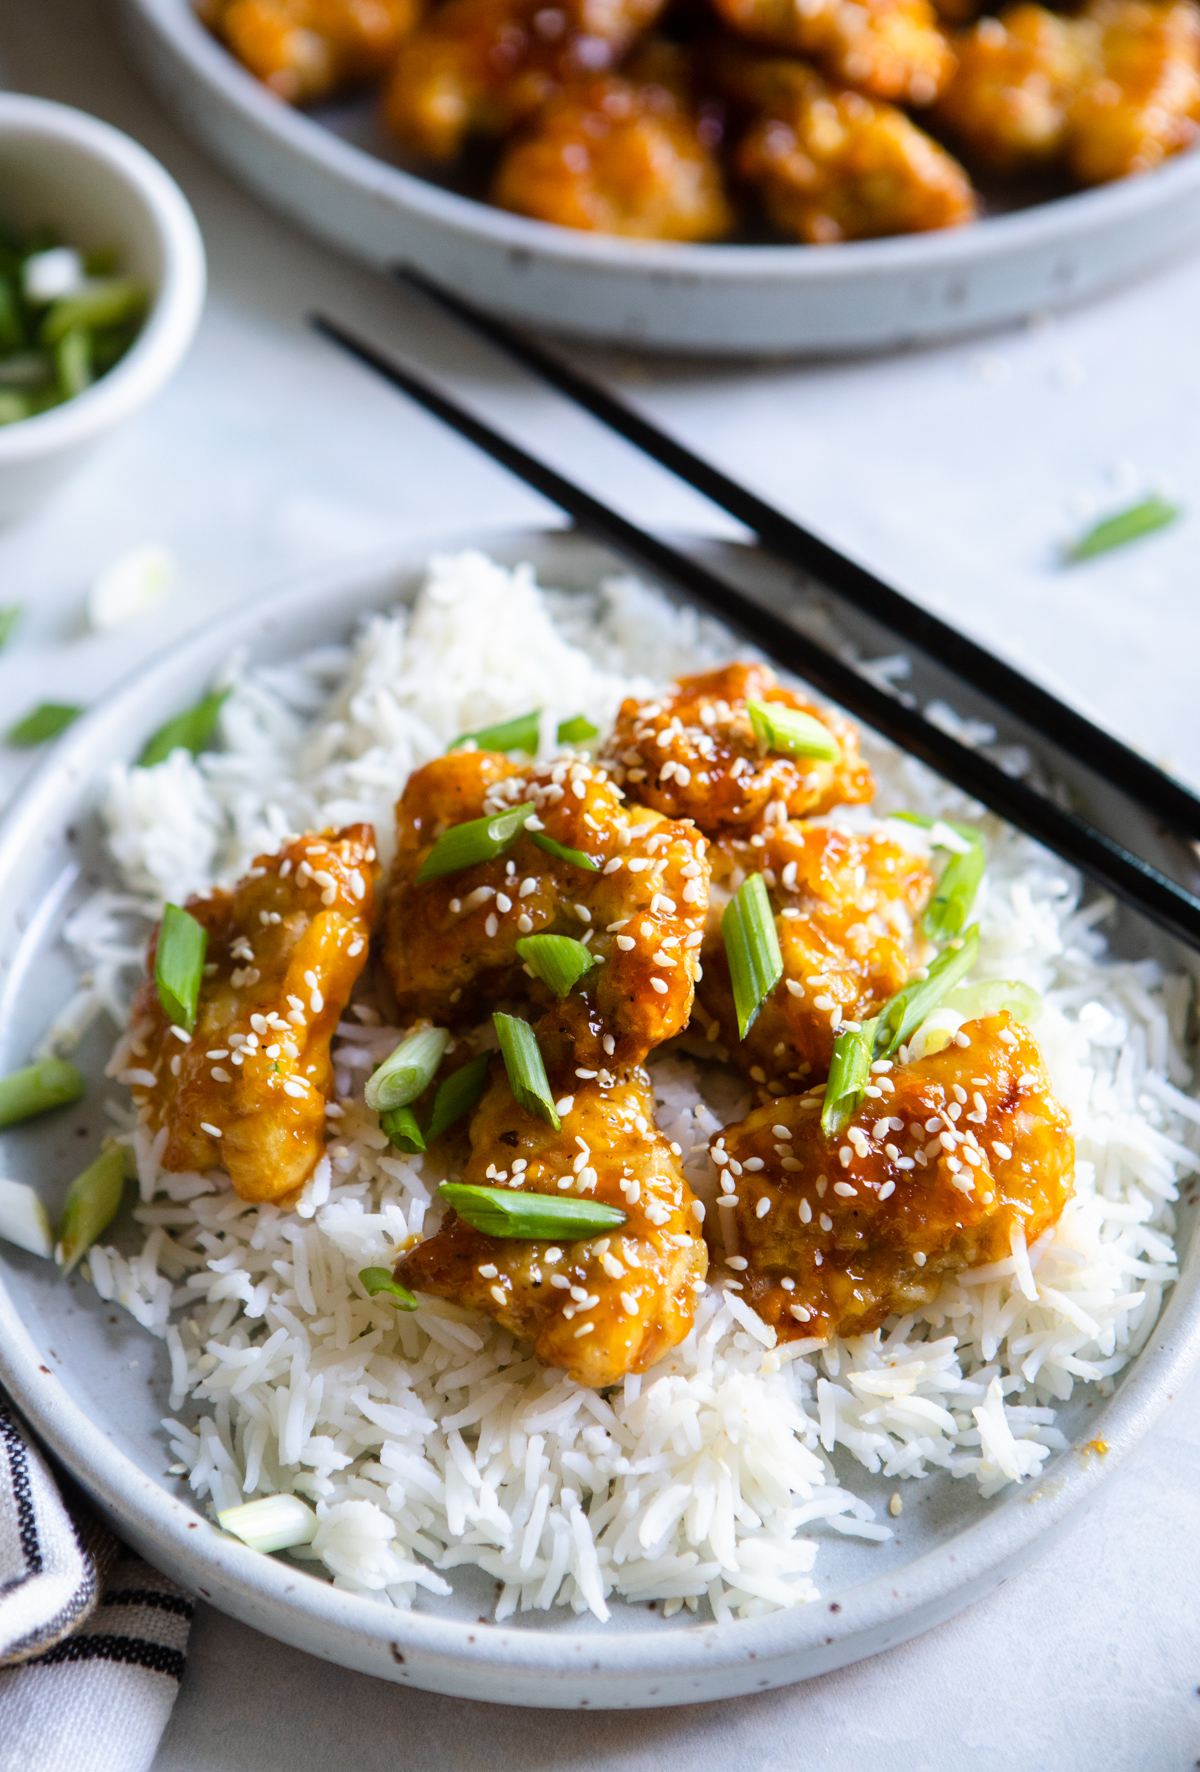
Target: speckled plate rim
[(584, 1668)]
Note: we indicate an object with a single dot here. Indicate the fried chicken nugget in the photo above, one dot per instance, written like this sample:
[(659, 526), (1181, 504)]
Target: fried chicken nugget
[(890, 49), (306, 49)]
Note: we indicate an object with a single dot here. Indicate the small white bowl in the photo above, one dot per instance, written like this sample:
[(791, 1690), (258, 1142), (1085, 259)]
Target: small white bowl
[(62, 168)]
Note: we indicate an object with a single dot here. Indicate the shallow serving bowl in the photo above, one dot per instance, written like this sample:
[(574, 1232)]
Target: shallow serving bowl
[(95, 1386), (331, 177)]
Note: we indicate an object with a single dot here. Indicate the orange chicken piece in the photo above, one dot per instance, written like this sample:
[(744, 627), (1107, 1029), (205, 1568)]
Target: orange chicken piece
[(1017, 76), (306, 49), (891, 49)]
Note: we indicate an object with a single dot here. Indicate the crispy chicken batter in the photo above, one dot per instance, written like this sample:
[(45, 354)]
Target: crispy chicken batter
[(891, 49), (1017, 76), (305, 49), (846, 907), (952, 1158), (1144, 103), (449, 945), (599, 1308), (247, 1092), (692, 753)]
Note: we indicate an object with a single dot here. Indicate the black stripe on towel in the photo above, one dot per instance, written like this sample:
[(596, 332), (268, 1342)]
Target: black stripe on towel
[(133, 1651), (149, 1596), (22, 1490)]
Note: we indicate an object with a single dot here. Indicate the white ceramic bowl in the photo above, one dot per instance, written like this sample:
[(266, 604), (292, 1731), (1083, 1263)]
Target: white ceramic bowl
[(99, 188), (743, 300)]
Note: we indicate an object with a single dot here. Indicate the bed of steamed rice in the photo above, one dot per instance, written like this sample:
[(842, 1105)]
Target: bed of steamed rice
[(432, 1439)]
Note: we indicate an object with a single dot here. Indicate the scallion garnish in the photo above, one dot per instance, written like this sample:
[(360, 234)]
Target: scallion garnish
[(780, 728), (526, 1072), (377, 1280), (992, 995), (558, 960), (409, 1071), (458, 1094), (577, 731), (271, 1522), (752, 949), (948, 909), (23, 1219), (107, 301), (507, 1212), (480, 839), (10, 616), (560, 851), (36, 1088), (520, 734), (402, 1129), (46, 721), (903, 1014), (853, 1051), (1121, 527), (179, 965), (90, 1207), (190, 731)]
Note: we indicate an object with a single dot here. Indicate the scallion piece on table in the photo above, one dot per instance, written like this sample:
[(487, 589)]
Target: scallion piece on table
[(90, 1207), (378, 1280), (577, 731), (408, 1072), (402, 1129), (903, 1014), (558, 960), (46, 721), (480, 839), (780, 728), (519, 734), (190, 731), (526, 1072), (271, 1522), (10, 616), (458, 1094), (105, 301), (561, 852), (23, 1219), (507, 1212), (1121, 527), (752, 950), (992, 995), (35, 1089), (179, 965), (853, 1051)]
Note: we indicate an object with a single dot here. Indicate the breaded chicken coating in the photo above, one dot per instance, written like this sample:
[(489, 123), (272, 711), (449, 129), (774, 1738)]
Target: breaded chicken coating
[(306, 49), (890, 49), (449, 944), (692, 753), (247, 1091), (950, 1162), (598, 1308), (1144, 104), (1017, 78)]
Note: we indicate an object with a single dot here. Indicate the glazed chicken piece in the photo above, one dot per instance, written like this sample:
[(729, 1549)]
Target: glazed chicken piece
[(480, 67), (449, 944), (692, 753), (948, 1163), (890, 49), (306, 49), (598, 1308), (847, 908), (615, 155), (247, 1092), (1017, 78)]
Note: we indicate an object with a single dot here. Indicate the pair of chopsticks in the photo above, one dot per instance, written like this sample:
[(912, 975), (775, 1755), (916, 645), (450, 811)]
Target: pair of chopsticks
[(1108, 863)]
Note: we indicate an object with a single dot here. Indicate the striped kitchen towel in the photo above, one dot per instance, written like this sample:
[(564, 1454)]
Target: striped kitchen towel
[(92, 1640)]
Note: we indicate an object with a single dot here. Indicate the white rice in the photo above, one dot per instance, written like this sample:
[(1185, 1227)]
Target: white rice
[(430, 1440)]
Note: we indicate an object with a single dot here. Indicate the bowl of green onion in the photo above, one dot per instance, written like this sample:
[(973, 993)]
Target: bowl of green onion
[(101, 287)]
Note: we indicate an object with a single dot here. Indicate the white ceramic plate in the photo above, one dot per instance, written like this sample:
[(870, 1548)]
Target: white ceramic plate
[(731, 299), (95, 1386)]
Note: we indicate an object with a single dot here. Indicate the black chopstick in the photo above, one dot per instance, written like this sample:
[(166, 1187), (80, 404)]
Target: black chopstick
[(788, 541), (1105, 861)]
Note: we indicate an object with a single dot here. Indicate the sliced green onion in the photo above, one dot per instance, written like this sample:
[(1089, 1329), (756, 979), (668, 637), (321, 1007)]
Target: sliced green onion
[(507, 1212), (13, 406), (853, 1051), (520, 734), (1123, 526), (903, 1014), (409, 1071), (576, 857), (558, 960), (10, 617), (577, 731), (752, 949), (780, 728), (954, 894), (46, 721), (526, 1073), (402, 1129), (480, 839), (50, 1083), (179, 965), (73, 362), (90, 1207), (993, 995), (108, 301), (458, 1094), (190, 731), (378, 1280), (23, 1219), (271, 1522)]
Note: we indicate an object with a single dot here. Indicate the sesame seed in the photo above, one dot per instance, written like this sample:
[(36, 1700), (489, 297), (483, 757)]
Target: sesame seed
[(763, 1207), (213, 1131), (498, 1294)]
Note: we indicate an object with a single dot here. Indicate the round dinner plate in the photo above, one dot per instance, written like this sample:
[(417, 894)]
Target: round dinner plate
[(95, 1385), (332, 175)]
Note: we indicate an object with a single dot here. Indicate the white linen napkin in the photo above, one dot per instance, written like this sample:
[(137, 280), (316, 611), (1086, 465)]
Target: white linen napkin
[(92, 1640)]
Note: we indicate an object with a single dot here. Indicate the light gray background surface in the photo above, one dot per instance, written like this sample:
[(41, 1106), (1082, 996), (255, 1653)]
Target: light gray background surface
[(955, 473)]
